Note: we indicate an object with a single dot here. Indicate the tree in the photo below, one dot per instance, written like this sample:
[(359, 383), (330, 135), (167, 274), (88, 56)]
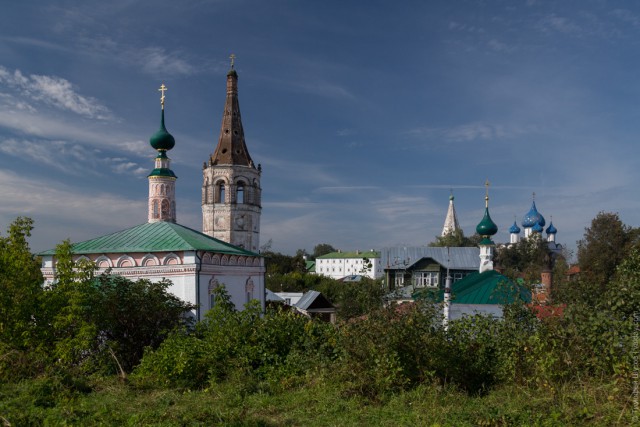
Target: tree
[(322, 249), (604, 245), (20, 285), (106, 322), (456, 239), (527, 258)]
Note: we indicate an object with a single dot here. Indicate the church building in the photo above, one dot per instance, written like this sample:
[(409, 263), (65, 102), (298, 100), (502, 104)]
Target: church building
[(196, 263)]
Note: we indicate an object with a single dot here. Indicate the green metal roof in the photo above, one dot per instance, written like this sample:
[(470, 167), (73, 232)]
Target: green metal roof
[(310, 266), (158, 236), (332, 255), (489, 287), (162, 172)]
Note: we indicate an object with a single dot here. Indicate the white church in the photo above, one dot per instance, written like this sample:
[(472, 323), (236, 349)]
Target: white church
[(224, 253)]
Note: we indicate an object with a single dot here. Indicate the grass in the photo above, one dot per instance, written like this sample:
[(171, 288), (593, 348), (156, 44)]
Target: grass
[(317, 402)]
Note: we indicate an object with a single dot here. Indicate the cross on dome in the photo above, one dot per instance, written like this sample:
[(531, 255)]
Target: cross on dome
[(162, 89)]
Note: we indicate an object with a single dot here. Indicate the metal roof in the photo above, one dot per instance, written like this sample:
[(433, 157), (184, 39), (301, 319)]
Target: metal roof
[(489, 287), (271, 296), (354, 254), (158, 236), (307, 299), (400, 258)]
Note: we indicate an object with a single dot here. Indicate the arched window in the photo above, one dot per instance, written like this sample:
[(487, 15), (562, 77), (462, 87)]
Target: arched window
[(240, 192), (155, 209), (220, 193), (248, 288), (165, 207)]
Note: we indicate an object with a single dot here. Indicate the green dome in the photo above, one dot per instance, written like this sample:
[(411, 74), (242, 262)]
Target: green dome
[(162, 140), (487, 227)]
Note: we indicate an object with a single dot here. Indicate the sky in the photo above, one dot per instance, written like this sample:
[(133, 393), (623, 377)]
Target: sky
[(363, 115)]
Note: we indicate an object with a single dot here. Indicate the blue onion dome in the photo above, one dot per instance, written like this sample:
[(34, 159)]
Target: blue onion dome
[(537, 228), (162, 140), (551, 229), (486, 227), (514, 228), (533, 217)]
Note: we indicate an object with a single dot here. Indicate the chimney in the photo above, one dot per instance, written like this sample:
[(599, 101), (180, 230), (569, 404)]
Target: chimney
[(546, 278)]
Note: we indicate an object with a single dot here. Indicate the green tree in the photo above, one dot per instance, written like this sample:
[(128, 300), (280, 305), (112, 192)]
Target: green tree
[(20, 285), (526, 259), (456, 239), (105, 322), (322, 249), (604, 245)]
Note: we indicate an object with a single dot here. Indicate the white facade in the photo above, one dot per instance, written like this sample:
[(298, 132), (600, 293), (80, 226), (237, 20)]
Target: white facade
[(338, 265), (194, 274)]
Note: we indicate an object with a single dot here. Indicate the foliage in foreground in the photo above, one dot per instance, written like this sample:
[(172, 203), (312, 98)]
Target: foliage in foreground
[(79, 324), (395, 365)]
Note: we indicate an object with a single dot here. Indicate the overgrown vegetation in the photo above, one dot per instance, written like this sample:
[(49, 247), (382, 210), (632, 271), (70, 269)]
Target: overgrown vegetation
[(72, 354)]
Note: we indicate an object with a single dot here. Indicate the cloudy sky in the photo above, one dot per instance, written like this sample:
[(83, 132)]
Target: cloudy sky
[(364, 115)]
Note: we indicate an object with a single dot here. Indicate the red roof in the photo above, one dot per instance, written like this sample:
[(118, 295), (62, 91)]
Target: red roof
[(546, 311)]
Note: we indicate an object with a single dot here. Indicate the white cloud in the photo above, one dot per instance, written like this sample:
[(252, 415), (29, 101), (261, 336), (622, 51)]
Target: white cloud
[(155, 60), (54, 205), (463, 133), (70, 158), (553, 23), (55, 91), (499, 46)]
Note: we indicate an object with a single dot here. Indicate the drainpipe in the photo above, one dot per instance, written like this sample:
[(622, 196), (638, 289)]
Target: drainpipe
[(198, 269)]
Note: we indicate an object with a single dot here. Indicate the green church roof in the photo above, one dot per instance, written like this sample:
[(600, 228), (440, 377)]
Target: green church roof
[(489, 287), (158, 236), (341, 255)]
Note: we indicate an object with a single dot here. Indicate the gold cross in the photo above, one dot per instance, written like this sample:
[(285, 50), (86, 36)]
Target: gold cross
[(486, 197), (162, 89), (233, 58)]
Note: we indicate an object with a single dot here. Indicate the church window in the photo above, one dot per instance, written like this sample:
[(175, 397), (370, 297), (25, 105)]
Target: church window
[(220, 193), (457, 276), (240, 193), (248, 288), (155, 209), (165, 208)]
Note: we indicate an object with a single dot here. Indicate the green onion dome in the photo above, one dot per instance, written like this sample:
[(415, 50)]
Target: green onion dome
[(162, 140), (486, 227)]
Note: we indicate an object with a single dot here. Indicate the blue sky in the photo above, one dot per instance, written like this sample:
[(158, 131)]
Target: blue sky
[(363, 114)]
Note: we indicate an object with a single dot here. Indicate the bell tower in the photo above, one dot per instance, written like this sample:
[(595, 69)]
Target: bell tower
[(162, 180), (231, 193)]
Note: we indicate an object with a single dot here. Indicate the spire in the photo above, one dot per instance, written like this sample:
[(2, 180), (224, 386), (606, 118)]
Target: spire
[(451, 221), (162, 205), (231, 149)]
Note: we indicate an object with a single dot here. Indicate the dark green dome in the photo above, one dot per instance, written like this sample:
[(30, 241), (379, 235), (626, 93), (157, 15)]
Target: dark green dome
[(487, 227), (162, 140)]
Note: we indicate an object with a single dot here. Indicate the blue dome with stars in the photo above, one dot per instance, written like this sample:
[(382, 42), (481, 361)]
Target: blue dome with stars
[(537, 228), (533, 217), (514, 228), (551, 229)]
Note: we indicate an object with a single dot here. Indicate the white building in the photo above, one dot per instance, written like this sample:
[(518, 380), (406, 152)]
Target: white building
[(338, 265), (196, 263)]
